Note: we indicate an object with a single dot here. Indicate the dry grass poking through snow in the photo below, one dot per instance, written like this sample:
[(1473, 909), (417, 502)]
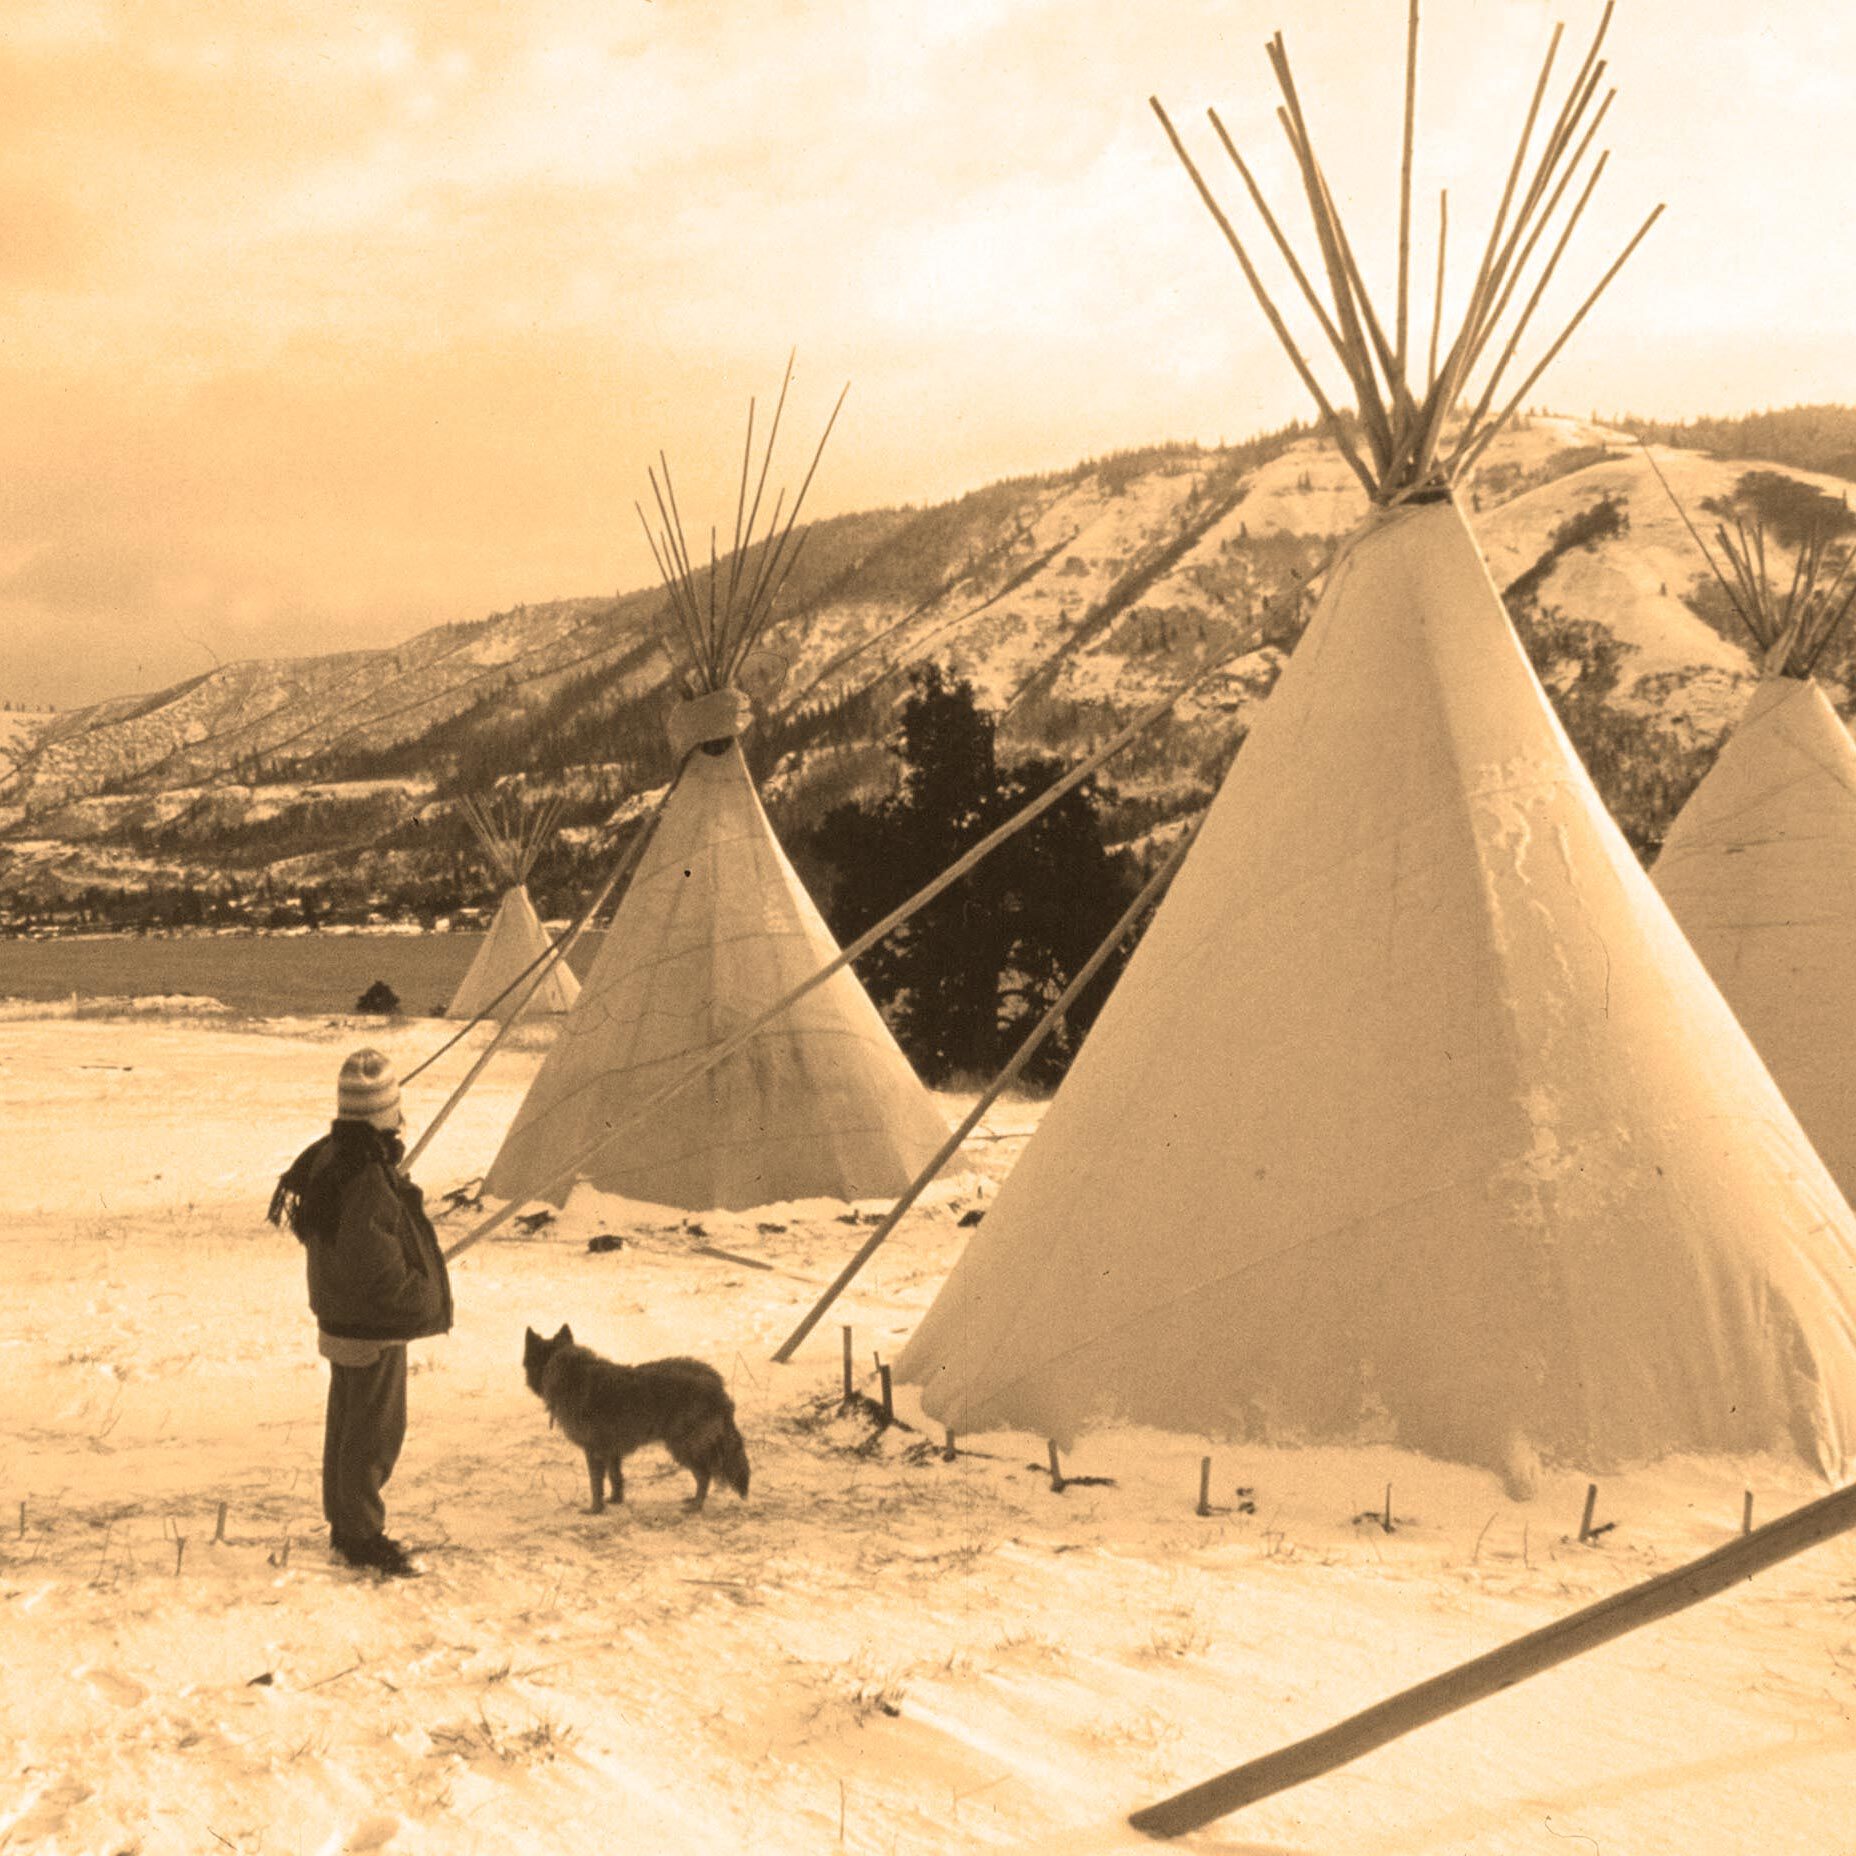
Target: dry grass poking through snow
[(881, 1651)]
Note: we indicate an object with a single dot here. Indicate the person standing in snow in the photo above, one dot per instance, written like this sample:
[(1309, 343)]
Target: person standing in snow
[(377, 1280)]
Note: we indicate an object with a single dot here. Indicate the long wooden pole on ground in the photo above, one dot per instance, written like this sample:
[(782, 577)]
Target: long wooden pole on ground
[(1514, 1662), (1150, 890), (555, 955), (869, 938)]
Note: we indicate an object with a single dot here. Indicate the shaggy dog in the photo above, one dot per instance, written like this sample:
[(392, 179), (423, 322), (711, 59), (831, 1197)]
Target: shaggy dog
[(611, 1410)]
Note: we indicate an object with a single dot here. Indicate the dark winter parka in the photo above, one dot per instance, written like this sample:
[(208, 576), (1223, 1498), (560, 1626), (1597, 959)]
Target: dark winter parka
[(375, 1268)]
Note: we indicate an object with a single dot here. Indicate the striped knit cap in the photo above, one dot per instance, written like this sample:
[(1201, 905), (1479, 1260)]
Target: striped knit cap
[(368, 1091)]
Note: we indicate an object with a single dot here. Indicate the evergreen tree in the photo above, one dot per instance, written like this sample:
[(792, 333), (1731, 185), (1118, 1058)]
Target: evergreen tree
[(964, 978)]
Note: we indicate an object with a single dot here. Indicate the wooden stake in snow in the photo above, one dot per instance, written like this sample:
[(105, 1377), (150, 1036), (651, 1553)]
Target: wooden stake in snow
[(1591, 1502), (1205, 1485), (849, 1387), (889, 1409), (1746, 1513), (1056, 1470), (219, 1526), (22, 1508), (1572, 1636), (948, 1452)]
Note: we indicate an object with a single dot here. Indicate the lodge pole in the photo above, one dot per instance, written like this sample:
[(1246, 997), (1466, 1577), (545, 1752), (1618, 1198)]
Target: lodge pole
[(1502, 1668)]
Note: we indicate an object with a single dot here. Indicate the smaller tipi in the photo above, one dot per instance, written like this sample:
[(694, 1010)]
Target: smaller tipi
[(1759, 868), (500, 983), (713, 930)]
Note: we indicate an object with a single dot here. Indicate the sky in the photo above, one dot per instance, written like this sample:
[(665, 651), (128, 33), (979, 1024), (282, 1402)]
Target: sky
[(323, 323)]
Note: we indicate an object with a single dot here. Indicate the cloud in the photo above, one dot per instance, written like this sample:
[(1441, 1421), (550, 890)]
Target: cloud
[(325, 322), (49, 241)]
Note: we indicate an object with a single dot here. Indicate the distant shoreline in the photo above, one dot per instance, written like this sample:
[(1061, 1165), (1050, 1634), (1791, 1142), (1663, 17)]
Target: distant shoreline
[(266, 972)]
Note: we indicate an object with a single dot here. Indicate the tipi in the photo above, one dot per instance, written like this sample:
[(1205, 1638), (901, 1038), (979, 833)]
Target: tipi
[(1414, 1118), (713, 928), (1759, 867), (498, 983)]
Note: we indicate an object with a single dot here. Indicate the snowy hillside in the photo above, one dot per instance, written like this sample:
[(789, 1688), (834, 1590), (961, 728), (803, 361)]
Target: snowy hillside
[(1071, 602), (1640, 580), (19, 730), (280, 711)]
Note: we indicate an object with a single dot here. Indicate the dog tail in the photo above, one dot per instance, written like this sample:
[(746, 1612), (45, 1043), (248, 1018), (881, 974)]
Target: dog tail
[(732, 1459)]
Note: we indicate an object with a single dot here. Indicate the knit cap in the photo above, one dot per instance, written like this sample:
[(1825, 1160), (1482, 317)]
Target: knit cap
[(367, 1090)]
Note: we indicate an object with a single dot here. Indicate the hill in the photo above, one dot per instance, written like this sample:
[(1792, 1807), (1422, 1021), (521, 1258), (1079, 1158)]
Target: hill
[(1071, 601), (1819, 438)]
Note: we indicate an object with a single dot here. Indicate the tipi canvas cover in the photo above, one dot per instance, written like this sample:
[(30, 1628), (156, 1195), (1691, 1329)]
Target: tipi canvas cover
[(1414, 1116), (714, 927), (1760, 871), (514, 946)]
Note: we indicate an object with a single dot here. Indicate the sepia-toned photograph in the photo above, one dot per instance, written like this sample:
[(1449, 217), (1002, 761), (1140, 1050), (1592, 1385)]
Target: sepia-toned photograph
[(927, 926)]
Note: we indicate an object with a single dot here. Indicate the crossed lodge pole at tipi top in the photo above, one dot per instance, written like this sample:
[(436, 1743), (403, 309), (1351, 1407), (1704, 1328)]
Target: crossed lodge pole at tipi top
[(1759, 866), (1414, 1115), (719, 637)]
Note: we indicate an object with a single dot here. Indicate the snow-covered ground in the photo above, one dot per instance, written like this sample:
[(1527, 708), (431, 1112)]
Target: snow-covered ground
[(879, 1651)]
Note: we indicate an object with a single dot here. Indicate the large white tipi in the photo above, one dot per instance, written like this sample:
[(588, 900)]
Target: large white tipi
[(499, 983), (1759, 867), (714, 928), (1414, 1118)]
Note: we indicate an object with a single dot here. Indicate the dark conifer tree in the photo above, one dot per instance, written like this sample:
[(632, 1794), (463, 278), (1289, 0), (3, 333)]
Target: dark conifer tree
[(964, 978)]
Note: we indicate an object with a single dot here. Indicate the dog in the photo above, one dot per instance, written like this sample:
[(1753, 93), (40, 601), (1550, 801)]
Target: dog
[(611, 1410)]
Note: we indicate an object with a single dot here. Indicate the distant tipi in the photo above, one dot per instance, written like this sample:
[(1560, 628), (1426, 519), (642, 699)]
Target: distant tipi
[(1759, 867), (1414, 1118), (500, 981), (713, 928)]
